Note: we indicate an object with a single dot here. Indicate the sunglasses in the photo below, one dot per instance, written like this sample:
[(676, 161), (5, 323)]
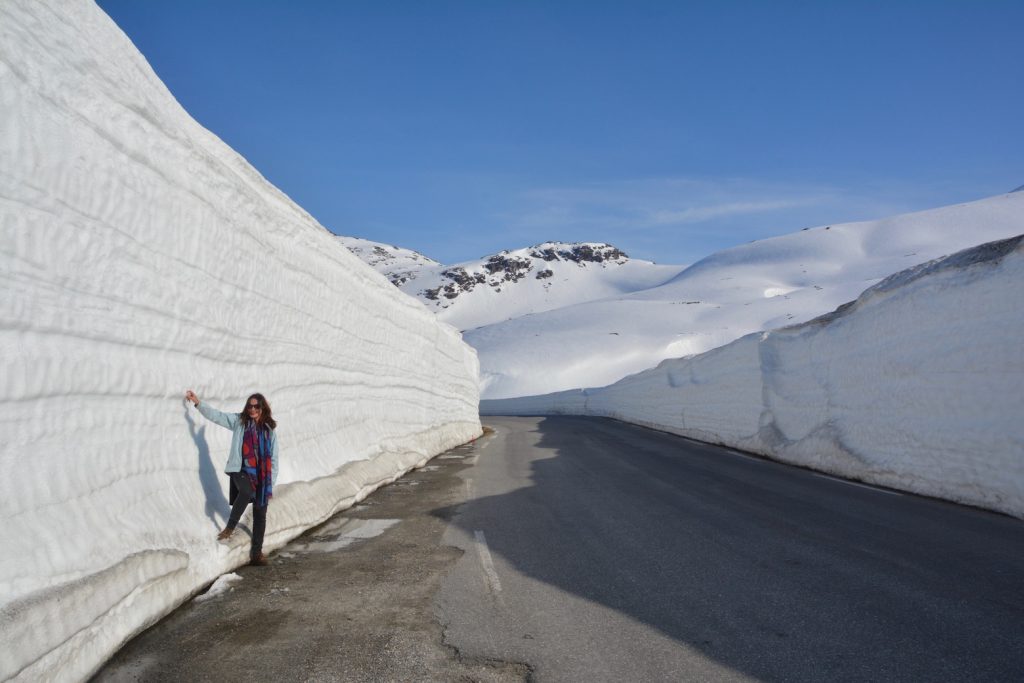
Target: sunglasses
[(254, 406)]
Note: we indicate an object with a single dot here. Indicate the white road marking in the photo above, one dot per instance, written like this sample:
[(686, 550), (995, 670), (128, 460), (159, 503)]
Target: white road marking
[(488, 564), (745, 455), (818, 474), (856, 483)]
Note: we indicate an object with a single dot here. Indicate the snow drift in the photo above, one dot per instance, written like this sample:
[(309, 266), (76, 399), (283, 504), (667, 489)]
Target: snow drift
[(140, 256), (916, 385)]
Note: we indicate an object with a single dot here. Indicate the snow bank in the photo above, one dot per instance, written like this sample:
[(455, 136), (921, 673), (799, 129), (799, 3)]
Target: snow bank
[(917, 385), (140, 256)]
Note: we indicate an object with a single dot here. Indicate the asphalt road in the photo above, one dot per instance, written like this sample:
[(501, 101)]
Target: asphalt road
[(620, 553), (580, 549)]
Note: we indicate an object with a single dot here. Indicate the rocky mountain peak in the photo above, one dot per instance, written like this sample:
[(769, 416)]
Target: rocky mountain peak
[(510, 266), (578, 252), (512, 282)]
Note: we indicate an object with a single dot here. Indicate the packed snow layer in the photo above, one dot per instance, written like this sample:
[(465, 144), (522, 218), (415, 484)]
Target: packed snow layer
[(139, 257), (762, 285), (917, 385)]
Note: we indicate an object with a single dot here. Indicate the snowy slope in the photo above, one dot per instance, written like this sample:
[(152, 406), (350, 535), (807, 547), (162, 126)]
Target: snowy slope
[(761, 285), (918, 385), (395, 263), (140, 256), (516, 282)]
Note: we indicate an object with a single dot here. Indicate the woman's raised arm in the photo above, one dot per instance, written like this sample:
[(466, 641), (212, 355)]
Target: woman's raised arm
[(226, 420)]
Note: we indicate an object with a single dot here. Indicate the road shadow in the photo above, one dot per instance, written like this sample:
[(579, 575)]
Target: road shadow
[(216, 507), (768, 569)]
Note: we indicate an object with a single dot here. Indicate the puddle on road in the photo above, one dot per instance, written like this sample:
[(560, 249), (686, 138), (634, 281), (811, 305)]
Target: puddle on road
[(342, 532)]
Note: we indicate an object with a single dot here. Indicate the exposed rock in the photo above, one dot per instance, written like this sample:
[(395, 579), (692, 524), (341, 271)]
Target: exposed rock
[(513, 268), (578, 253), (399, 279), (461, 281)]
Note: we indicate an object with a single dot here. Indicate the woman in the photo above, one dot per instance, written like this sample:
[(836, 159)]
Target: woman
[(252, 465)]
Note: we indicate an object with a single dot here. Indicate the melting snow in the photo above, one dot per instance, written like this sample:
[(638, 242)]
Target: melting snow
[(222, 585)]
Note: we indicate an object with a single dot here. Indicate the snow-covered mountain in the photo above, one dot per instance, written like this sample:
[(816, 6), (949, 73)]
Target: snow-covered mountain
[(513, 283), (758, 286), (395, 263), (600, 316)]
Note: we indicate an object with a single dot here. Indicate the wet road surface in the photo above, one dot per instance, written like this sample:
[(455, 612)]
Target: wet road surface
[(351, 600)]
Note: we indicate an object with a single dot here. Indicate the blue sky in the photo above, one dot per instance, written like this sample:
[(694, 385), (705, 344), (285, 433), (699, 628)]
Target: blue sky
[(670, 129)]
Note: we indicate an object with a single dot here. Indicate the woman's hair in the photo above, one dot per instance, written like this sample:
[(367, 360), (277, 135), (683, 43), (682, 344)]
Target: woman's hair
[(266, 417)]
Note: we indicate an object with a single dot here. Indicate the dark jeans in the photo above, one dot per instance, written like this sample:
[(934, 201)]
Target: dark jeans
[(239, 493)]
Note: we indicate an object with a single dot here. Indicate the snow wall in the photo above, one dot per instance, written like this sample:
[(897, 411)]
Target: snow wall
[(917, 385), (139, 257)]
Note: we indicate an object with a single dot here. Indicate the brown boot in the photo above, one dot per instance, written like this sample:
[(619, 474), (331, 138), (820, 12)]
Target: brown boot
[(259, 560), (225, 533)]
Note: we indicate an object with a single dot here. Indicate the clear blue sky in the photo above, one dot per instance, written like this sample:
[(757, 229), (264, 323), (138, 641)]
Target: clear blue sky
[(671, 129)]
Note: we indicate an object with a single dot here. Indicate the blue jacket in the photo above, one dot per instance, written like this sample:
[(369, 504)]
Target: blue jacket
[(233, 421)]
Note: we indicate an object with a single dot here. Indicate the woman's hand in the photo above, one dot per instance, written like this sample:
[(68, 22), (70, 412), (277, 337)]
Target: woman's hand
[(191, 396)]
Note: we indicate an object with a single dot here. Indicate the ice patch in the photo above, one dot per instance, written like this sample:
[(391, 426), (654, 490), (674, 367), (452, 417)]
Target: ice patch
[(343, 532)]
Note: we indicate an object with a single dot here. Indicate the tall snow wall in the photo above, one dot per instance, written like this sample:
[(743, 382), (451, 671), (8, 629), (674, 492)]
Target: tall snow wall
[(139, 257), (917, 385)]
